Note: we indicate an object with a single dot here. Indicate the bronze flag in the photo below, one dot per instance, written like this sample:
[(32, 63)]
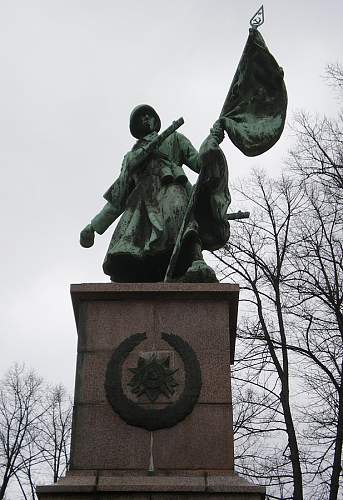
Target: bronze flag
[(254, 111)]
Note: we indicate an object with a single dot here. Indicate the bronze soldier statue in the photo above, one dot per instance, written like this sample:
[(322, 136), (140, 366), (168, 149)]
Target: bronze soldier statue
[(165, 224), (151, 195)]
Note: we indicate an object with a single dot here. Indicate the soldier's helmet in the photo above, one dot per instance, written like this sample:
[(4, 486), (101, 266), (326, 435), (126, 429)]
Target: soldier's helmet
[(135, 128)]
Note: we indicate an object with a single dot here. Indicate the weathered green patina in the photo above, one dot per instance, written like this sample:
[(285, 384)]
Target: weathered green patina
[(151, 194), (254, 111), (165, 224)]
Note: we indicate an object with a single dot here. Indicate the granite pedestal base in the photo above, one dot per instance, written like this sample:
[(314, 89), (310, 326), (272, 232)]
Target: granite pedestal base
[(174, 486), (111, 459)]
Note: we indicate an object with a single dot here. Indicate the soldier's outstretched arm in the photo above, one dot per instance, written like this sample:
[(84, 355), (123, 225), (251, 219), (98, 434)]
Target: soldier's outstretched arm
[(98, 224)]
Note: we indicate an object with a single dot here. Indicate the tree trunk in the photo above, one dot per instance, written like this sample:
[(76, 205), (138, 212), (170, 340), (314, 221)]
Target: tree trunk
[(294, 450), (336, 466), (3, 487)]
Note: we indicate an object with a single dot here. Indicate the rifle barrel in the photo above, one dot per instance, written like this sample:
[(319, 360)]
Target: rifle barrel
[(238, 215)]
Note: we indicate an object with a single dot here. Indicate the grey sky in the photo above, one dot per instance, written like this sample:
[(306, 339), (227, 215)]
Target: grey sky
[(72, 71)]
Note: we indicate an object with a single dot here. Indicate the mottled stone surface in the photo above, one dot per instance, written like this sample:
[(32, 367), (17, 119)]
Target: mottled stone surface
[(108, 314), (152, 496), (102, 440), (151, 483), (203, 440), (110, 458), (90, 294), (160, 486)]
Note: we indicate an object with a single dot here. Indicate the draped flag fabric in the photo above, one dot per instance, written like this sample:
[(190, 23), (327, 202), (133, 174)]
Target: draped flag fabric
[(254, 111), (253, 116), (205, 218)]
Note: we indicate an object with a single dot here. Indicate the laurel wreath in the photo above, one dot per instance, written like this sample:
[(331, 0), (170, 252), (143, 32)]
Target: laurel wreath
[(149, 418)]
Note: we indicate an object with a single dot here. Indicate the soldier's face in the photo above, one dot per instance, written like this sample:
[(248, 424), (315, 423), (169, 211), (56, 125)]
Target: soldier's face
[(147, 123)]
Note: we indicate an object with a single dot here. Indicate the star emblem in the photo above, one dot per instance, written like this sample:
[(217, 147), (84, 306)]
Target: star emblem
[(153, 377)]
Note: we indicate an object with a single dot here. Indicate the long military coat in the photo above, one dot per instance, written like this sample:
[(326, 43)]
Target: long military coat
[(152, 199)]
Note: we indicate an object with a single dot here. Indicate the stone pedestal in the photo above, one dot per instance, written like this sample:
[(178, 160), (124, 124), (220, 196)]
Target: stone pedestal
[(192, 458)]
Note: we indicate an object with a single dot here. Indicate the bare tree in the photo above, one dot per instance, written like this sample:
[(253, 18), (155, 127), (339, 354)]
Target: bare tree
[(35, 428), (20, 410), (258, 419), (55, 431), (289, 258), (318, 280), (334, 74), (318, 152), (258, 258)]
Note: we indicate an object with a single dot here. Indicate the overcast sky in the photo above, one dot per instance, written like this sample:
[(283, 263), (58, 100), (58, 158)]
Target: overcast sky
[(71, 71)]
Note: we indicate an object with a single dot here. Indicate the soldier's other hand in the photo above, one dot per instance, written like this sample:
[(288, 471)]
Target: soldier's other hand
[(87, 236), (217, 131)]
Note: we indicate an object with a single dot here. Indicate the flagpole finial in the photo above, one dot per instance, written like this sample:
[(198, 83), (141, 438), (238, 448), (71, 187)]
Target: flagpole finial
[(257, 19)]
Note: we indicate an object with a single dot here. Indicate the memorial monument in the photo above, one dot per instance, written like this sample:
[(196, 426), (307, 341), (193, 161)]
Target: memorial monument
[(153, 410)]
